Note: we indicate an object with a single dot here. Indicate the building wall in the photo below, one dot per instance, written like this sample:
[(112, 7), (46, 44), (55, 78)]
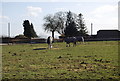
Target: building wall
[(108, 34)]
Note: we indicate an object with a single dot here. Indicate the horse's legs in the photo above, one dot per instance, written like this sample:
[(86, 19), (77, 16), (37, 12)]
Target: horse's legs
[(69, 44), (50, 45), (74, 44)]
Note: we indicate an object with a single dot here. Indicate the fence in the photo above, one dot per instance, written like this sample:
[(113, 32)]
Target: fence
[(25, 40), (22, 40)]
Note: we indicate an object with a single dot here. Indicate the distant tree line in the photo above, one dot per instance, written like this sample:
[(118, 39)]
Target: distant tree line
[(67, 24)]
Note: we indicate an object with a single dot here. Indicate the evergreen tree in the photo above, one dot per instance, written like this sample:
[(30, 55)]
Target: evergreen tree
[(71, 29), (28, 29), (81, 26), (33, 31)]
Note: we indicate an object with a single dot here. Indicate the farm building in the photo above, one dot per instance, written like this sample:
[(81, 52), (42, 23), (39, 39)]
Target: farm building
[(108, 34)]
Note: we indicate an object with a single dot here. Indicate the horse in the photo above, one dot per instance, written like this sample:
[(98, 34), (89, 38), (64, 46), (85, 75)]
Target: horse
[(80, 39), (73, 40), (49, 42), (69, 40)]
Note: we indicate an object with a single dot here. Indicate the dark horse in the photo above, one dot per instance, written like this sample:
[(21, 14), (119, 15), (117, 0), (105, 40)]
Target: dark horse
[(73, 40), (69, 40)]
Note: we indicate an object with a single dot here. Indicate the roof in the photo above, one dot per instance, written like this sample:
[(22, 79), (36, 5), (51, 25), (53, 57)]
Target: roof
[(108, 30)]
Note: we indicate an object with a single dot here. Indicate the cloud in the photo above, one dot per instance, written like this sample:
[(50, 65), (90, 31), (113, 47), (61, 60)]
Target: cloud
[(4, 17), (105, 14), (60, 9), (34, 11), (103, 17), (104, 10)]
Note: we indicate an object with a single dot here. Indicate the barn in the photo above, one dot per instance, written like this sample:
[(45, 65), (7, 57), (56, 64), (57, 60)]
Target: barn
[(108, 34)]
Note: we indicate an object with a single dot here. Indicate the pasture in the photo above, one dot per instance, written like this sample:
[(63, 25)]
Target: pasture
[(92, 60)]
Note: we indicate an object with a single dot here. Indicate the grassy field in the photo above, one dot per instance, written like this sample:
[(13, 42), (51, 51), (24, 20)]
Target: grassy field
[(92, 60)]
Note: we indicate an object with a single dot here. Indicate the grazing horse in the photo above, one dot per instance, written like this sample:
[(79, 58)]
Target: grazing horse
[(73, 40), (49, 42), (79, 39), (69, 40)]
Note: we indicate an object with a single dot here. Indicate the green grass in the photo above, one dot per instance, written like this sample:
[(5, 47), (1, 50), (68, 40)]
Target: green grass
[(92, 60)]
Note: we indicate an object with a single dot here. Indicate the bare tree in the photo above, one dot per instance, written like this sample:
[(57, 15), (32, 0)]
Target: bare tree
[(55, 23)]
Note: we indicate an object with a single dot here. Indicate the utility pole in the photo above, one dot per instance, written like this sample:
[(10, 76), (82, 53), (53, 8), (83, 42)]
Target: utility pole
[(8, 33), (9, 30), (91, 28)]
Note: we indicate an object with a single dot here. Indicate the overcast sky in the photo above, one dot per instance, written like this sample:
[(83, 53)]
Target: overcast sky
[(102, 13)]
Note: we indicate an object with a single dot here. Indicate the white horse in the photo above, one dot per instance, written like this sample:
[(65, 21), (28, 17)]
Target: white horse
[(49, 42)]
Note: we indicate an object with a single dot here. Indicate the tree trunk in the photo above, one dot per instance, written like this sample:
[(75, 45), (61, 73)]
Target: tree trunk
[(53, 35)]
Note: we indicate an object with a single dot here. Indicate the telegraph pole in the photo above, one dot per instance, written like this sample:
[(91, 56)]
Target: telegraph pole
[(8, 33), (9, 30), (91, 28)]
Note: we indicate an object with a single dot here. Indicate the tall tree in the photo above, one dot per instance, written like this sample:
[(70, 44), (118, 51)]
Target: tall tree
[(81, 25), (29, 30), (71, 29), (33, 31), (61, 18), (54, 23), (49, 24)]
